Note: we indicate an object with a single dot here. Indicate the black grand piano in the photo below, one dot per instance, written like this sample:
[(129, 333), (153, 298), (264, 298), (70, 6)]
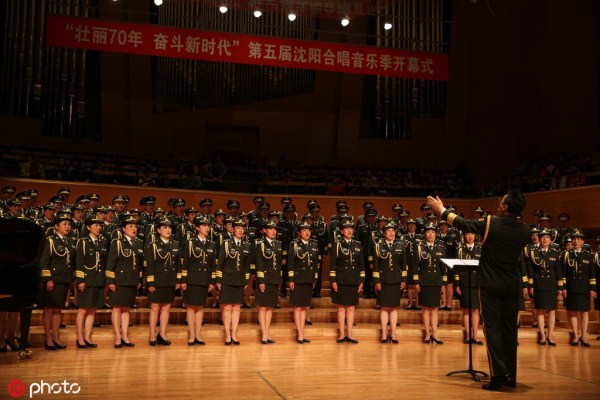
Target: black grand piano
[(21, 244)]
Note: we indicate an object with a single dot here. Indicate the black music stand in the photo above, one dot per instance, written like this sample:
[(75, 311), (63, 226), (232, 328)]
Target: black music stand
[(456, 264)]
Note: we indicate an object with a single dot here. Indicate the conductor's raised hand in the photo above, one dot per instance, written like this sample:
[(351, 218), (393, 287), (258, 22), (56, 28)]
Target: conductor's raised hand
[(436, 204)]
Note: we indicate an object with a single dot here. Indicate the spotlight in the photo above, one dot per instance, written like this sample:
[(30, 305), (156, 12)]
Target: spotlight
[(257, 13), (387, 26), (223, 9), (345, 22), (292, 16), (158, 2)]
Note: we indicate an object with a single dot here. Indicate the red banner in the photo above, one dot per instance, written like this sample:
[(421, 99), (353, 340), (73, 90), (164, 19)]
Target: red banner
[(163, 41)]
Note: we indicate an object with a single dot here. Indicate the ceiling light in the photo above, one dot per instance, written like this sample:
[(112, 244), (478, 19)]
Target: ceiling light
[(345, 22), (387, 26), (257, 13), (223, 9), (158, 2), (292, 16)]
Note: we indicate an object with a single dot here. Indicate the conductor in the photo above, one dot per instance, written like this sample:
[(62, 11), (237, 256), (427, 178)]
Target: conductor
[(503, 238)]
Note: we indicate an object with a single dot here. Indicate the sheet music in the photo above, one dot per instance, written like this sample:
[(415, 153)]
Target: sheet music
[(452, 262)]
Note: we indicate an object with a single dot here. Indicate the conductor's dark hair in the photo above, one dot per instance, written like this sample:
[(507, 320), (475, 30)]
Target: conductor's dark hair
[(515, 201)]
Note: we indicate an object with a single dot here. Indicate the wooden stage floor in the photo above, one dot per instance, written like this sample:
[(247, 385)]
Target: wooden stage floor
[(322, 369)]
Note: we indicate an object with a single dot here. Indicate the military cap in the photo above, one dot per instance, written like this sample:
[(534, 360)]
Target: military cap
[(158, 211), (101, 209), (61, 216), (9, 189), (243, 214), (304, 225), (147, 200), (397, 207), (347, 224), (201, 220), (77, 207), (537, 213), (273, 214), (233, 204), (545, 232), (94, 196), (469, 230), (405, 213), (239, 222), (563, 217), (345, 217), (49, 206), (370, 212), (368, 204), (451, 208), (63, 191), (443, 221), (411, 221), (178, 202), (270, 224), (311, 203), (598, 239), (307, 216), (206, 202), (127, 198), (431, 215), (67, 210), (425, 206), (56, 199), (133, 211), (34, 192), (478, 209), (110, 208), (93, 220), (545, 217), (389, 225), (568, 239), (163, 221), (220, 212), (82, 199), (191, 210), (342, 208), (130, 219), (340, 202), (229, 220), (315, 208), (286, 200), (13, 202), (24, 195), (258, 199), (535, 229), (289, 208), (382, 218), (577, 233), (171, 201), (430, 226), (264, 205)]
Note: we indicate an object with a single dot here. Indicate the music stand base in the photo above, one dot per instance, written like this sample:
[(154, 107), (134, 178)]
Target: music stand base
[(471, 372)]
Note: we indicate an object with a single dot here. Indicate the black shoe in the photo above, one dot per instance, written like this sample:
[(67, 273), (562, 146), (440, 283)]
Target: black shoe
[(191, 343), (81, 346), (264, 341), (436, 341), (271, 341), (3, 349), (478, 342), (48, 347), (278, 305), (124, 343), (200, 342), (584, 344), (384, 340), (551, 343), (542, 342), (534, 325), (575, 343), (88, 344), (300, 341), (308, 322), (238, 343), (426, 341), (350, 340), (214, 305), (411, 307), (394, 341), (133, 306), (342, 340), (97, 325), (510, 382), (119, 345), (495, 383), (246, 305), (467, 341), (151, 342), (598, 338), (14, 345), (62, 326), (378, 306), (227, 343), (161, 341), (305, 340), (417, 308)]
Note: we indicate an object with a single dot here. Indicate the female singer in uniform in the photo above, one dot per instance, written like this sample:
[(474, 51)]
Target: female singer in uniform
[(303, 268), (90, 267), (198, 265), (269, 261), (545, 280), (347, 276), (469, 250), (580, 278), (57, 274), (429, 274), (123, 277), (232, 277), (390, 270), (161, 260)]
